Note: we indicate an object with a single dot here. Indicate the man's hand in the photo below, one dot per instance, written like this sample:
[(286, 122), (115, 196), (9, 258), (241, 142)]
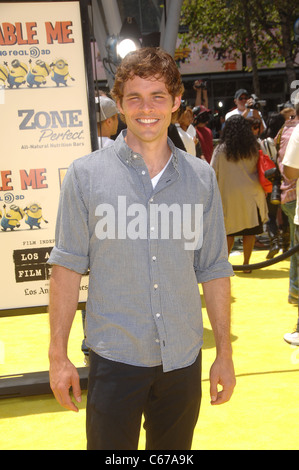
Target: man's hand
[(217, 297), (222, 373), (63, 376)]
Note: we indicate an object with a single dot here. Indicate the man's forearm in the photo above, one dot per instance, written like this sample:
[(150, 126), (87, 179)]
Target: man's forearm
[(64, 294), (217, 299)]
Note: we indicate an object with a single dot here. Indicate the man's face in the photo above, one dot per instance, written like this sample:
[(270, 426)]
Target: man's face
[(241, 101), (147, 106)]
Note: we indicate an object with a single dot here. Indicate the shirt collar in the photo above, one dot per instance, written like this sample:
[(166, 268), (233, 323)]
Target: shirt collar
[(126, 154)]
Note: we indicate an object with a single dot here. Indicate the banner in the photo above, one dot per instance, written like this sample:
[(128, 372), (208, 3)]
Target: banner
[(45, 125)]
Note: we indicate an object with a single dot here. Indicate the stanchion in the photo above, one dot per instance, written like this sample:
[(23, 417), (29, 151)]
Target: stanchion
[(264, 264)]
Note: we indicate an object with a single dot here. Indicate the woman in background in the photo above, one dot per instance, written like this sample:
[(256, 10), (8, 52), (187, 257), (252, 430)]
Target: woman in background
[(244, 202)]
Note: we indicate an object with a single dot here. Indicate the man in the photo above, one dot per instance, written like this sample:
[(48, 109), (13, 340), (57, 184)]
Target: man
[(144, 325), (291, 171), (243, 101), (107, 120)]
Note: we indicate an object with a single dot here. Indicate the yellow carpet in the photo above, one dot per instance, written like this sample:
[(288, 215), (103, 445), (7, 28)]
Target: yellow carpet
[(262, 413)]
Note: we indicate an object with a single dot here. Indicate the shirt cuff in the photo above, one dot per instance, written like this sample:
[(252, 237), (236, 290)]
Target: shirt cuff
[(223, 269), (73, 262)]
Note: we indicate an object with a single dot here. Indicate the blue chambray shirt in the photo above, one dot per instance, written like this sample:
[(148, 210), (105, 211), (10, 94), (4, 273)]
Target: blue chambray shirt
[(143, 305)]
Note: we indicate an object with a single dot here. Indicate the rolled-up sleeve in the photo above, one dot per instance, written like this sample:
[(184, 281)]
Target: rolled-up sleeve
[(71, 248), (211, 260)]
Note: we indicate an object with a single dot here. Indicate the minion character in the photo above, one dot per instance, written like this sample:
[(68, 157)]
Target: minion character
[(34, 216), (12, 218), (4, 72), (38, 73), (17, 73), (60, 72)]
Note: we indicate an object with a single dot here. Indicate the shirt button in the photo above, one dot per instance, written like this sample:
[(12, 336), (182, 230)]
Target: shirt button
[(151, 199), (155, 286), (152, 229), (135, 156), (143, 172), (157, 340), (154, 258), (158, 315)]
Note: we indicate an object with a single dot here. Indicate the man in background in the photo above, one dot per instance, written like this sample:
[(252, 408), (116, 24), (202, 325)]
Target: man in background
[(243, 103), (107, 120)]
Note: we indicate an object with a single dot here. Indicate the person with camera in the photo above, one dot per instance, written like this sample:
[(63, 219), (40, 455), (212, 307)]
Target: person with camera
[(290, 164), (275, 122), (246, 106), (201, 89)]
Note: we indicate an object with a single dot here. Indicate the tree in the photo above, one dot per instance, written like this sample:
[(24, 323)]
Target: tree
[(277, 18), (261, 30)]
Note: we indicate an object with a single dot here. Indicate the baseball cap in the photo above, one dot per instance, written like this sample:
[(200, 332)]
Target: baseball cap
[(108, 108), (240, 92)]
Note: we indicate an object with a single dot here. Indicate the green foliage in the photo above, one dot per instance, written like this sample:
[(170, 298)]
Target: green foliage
[(227, 24)]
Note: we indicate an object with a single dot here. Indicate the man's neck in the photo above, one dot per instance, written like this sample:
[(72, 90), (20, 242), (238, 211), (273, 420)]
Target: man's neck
[(155, 155)]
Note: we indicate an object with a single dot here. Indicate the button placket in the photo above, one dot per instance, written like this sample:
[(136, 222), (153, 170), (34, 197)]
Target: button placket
[(155, 295)]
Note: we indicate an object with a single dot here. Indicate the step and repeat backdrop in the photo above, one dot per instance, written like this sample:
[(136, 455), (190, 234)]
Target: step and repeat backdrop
[(45, 124)]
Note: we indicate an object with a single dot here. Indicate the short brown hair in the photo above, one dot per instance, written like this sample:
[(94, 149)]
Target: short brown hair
[(148, 62)]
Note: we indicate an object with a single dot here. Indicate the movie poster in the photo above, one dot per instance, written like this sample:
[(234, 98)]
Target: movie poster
[(44, 126)]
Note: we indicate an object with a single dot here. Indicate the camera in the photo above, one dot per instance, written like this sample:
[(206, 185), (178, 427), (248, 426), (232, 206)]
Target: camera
[(201, 84), (274, 176), (257, 103)]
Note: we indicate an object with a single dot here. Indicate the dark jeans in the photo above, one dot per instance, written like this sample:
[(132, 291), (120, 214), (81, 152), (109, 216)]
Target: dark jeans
[(118, 395)]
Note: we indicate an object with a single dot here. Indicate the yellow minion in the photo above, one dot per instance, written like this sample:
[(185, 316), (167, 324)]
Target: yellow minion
[(34, 216), (17, 73), (4, 72), (38, 73), (60, 72), (12, 218)]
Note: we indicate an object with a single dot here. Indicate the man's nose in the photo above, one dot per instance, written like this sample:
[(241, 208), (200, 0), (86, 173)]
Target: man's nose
[(147, 104)]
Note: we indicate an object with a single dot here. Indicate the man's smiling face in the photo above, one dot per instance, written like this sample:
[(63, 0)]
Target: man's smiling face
[(148, 107)]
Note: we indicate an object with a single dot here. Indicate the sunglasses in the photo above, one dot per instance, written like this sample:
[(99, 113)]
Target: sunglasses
[(243, 98)]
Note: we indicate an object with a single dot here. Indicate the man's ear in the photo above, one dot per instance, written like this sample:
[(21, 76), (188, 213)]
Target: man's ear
[(177, 103), (118, 104)]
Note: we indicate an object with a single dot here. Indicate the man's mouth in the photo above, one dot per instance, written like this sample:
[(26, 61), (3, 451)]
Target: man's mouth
[(147, 121)]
